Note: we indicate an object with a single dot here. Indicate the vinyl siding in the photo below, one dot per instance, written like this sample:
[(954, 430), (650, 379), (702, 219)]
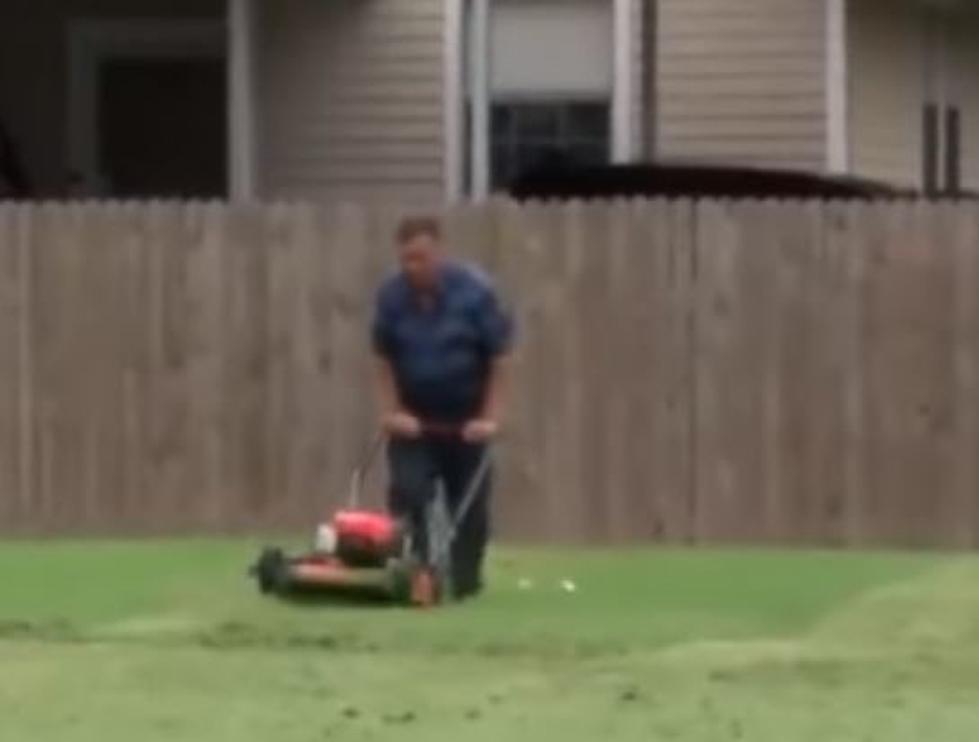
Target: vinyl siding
[(887, 90), (741, 82), (350, 99)]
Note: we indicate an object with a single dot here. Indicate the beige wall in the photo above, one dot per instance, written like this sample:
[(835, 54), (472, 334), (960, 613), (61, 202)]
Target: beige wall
[(34, 70), (741, 82), (887, 90), (350, 93)]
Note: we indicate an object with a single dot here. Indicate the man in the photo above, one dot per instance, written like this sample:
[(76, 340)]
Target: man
[(442, 341)]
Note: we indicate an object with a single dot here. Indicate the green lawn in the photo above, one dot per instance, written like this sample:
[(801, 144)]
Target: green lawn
[(167, 641)]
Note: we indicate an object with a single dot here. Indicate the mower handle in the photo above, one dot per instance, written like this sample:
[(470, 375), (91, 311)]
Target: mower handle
[(440, 430), (429, 429)]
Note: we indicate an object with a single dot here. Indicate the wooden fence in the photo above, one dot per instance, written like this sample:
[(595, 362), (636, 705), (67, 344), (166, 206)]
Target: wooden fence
[(752, 372)]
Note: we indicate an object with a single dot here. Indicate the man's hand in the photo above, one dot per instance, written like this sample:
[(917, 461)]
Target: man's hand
[(481, 430), (402, 425)]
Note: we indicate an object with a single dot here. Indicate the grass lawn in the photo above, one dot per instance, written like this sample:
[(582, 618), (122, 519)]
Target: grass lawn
[(168, 641)]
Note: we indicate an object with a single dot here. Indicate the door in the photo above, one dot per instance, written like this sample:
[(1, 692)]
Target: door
[(162, 127)]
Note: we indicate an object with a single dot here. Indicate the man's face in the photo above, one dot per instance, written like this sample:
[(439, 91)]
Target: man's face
[(420, 261)]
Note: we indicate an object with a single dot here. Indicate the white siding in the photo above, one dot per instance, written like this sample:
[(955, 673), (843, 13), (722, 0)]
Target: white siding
[(350, 97), (741, 82), (887, 90)]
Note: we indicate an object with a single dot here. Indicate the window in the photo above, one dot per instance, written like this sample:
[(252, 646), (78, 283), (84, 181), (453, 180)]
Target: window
[(550, 86), (529, 135)]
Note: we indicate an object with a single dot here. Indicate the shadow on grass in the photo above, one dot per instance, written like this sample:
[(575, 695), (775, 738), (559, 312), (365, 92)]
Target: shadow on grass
[(334, 598), (49, 631)]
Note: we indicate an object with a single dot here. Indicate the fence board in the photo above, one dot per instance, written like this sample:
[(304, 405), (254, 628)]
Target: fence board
[(284, 439), (618, 490), (59, 452), (676, 336), (218, 242), (772, 314), (799, 506), (102, 406), (642, 301), (832, 310), (164, 497), (519, 509), (717, 422), (909, 374), (11, 382), (315, 391), (962, 225), (855, 340), (347, 245), (557, 408), (754, 386), (133, 292), (589, 362)]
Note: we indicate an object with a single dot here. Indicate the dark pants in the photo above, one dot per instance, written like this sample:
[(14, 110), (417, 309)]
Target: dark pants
[(416, 466)]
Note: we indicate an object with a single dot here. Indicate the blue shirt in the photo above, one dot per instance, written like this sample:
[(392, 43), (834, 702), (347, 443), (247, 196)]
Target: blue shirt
[(441, 353)]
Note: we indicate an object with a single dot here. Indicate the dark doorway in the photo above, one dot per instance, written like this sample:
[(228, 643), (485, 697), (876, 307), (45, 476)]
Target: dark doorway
[(162, 127)]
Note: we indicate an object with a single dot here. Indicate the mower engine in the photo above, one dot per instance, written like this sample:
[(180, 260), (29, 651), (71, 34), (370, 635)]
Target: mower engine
[(362, 539)]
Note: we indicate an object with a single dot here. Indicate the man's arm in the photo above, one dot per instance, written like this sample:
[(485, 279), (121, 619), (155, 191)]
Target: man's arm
[(496, 326), (494, 403), (487, 425), (387, 392), (395, 420)]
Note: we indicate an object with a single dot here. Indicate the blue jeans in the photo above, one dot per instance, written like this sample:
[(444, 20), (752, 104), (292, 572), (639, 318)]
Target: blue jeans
[(416, 466)]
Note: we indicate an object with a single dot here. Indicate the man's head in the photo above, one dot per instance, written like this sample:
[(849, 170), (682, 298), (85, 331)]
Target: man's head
[(420, 250)]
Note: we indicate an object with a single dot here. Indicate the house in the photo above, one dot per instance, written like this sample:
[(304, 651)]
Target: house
[(444, 99)]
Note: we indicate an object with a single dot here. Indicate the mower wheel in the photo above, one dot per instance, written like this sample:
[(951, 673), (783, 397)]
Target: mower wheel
[(270, 570)]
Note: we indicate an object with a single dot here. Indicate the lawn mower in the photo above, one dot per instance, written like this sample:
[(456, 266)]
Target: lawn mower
[(372, 554)]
